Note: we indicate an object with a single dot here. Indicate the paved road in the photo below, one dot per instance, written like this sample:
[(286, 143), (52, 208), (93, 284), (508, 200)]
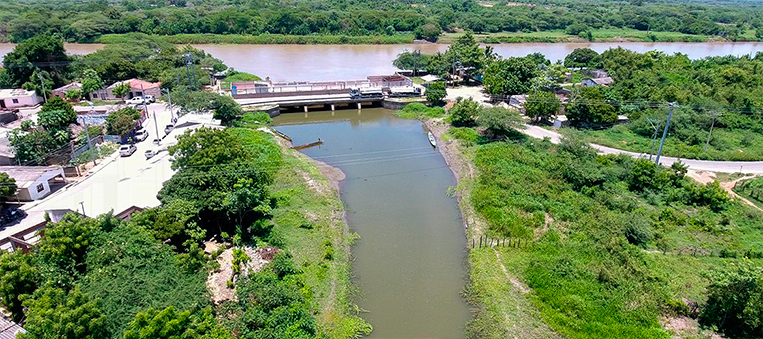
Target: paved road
[(753, 167), (118, 183)]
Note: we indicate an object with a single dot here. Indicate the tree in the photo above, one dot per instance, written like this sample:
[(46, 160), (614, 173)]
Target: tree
[(582, 57), (589, 106), (66, 242), (428, 32), (18, 277), (73, 94), (499, 121), (576, 28), (734, 301), (436, 92), (464, 112), (91, 82), (67, 115), (154, 324), (122, 122), (121, 90), (410, 61), (53, 314), (226, 109), (510, 76), (54, 120), (7, 185), (44, 52), (542, 105), (466, 51), (40, 82)]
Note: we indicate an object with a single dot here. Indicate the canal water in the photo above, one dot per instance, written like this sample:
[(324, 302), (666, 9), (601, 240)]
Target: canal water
[(410, 263), (353, 62)]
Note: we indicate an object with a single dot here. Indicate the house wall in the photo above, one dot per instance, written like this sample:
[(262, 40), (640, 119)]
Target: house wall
[(32, 192), (21, 101)]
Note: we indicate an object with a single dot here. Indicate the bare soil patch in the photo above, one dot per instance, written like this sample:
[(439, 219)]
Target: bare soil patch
[(217, 282)]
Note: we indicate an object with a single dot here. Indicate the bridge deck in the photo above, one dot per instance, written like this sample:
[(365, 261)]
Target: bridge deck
[(305, 100)]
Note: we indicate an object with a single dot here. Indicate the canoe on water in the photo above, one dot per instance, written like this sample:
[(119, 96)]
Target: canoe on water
[(432, 139)]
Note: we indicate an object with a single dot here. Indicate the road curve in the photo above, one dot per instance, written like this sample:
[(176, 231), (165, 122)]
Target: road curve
[(752, 167)]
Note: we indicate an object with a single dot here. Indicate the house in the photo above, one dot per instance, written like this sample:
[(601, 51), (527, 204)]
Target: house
[(35, 182), (61, 91), (9, 329), (606, 81), (13, 98), (138, 88), (518, 102), (387, 81)]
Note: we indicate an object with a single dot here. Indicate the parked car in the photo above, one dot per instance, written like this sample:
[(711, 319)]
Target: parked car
[(136, 100), (141, 135), (168, 129), (127, 150), (151, 153), (150, 98), (138, 107), (157, 141)]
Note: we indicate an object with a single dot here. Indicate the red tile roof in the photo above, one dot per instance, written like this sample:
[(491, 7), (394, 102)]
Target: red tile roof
[(136, 83)]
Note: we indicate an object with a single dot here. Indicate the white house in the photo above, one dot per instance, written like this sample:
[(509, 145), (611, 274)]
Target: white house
[(35, 182), (13, 98)]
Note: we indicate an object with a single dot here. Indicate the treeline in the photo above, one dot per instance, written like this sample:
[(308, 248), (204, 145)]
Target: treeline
[(85, 21)]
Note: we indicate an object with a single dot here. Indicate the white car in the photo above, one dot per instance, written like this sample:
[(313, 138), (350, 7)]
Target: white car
[(141, 135), (150, 98), (151, 153), (136, 100), (127, 150)]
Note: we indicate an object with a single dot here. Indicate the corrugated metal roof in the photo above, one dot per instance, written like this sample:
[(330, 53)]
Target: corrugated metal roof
[(9, 329)]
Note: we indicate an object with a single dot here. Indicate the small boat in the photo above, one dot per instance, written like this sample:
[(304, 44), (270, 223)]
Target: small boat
[(432, 139)]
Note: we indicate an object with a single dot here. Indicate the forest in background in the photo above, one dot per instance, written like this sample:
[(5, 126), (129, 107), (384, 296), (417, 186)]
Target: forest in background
[(87, 21)]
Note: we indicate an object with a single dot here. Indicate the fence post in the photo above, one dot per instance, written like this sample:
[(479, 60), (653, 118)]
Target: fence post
[(480, 241)]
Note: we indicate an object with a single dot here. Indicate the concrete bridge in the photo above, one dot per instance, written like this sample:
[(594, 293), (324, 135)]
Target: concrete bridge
[(308, 101)]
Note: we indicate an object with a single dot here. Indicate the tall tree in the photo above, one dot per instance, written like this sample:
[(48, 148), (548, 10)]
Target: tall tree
[(91, 82), (45, 52), (499, 122), (121, 90), (7, 185), (510, 76), (18, 276), (542, 105), (589, 106), (582, 57)]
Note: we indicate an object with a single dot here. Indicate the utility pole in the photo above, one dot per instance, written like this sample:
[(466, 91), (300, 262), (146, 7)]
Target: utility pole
[(44, 95), (654, 135), (188, 64), (145, 107), (665, 133), (711, 132), (169, 98), (87, 135), (82, 203)]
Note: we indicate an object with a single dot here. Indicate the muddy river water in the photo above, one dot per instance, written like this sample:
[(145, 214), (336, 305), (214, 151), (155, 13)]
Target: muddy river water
[(410, 261)]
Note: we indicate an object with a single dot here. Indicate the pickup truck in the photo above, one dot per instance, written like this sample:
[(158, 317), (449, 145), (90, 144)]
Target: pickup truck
[(136, 100)]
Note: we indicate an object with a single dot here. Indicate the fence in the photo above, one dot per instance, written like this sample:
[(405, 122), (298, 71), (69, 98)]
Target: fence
[(485, 241)]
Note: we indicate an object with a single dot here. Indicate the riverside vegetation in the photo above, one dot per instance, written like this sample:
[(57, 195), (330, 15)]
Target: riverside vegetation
[(145, 278), (387, 21), (618, 246)]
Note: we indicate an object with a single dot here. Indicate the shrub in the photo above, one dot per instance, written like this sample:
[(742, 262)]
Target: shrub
[(464, 112), (436, 92), (734, 301)]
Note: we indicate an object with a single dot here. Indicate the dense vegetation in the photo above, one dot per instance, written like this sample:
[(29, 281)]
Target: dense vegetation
[(613, 242), (719, 92), (107, 278), (85, 21)]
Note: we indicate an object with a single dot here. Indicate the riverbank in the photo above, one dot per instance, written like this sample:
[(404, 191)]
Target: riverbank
[(503, 304), (310, 218), (600, 35)]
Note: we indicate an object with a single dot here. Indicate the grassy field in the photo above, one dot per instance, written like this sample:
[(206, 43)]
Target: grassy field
[(599, 35), (608, 259), (737, 145), (268, 39)]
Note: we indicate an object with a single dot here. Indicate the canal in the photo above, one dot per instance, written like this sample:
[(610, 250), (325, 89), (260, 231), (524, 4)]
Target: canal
[(410, 263)]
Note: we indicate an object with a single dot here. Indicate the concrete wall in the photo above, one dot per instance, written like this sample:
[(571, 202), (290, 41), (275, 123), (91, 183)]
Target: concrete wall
[(32, 193), (397, 104)]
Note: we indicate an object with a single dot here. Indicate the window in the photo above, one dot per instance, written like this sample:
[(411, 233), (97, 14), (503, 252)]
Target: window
[(40, 188), (15, 101), (95, 95)]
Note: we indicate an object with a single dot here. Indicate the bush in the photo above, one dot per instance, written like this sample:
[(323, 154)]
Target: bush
[(464, 113), (734, 301), (417, 110), (436, 92), (257, 117)]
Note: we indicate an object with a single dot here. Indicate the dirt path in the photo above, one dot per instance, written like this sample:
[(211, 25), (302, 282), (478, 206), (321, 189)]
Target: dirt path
[(514, 281), (729, 187)]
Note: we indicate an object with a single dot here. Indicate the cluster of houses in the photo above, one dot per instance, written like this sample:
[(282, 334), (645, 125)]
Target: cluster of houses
[(18, 98)]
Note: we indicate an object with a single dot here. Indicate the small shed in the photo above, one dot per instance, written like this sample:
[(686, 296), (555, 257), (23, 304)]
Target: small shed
[(35, 182), (9, 329), (606, 81), (561, 121)]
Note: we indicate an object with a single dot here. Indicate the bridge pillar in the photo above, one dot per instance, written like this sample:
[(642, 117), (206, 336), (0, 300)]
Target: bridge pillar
[(305, 108), (332, 107), (359, 106)]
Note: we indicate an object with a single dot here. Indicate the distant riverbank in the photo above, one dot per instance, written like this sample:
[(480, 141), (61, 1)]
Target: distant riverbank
[(602, 35)]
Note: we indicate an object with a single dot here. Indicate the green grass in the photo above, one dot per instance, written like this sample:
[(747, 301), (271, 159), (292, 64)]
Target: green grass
[(419, 111), (752, 189), (601, 35), (727, 145), (106, 149), (587, 279), (311, 225), (268, 39), (237, 76)]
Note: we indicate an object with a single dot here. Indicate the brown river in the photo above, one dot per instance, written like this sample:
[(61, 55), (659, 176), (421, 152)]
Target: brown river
[(410, 260), (352, 62)]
